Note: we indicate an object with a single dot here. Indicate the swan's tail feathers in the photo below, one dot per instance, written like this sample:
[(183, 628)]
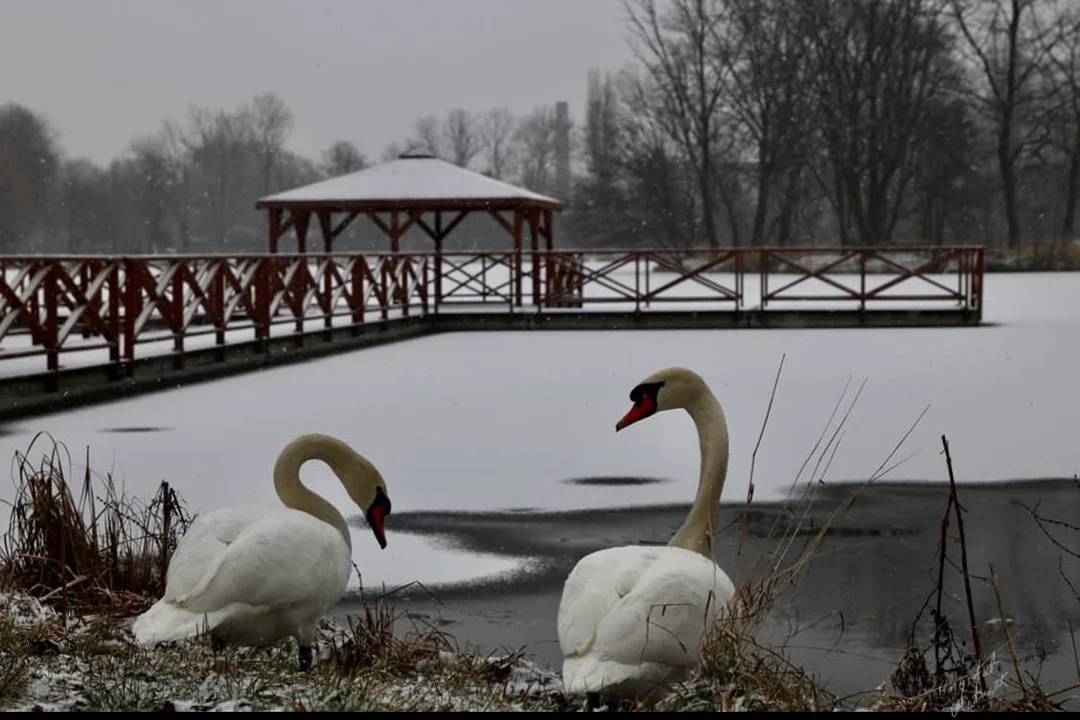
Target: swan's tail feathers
[(588, 674), (165, 622)]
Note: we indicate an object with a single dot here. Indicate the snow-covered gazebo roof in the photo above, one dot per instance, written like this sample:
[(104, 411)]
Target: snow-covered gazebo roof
[(411, 182), (407, 189)]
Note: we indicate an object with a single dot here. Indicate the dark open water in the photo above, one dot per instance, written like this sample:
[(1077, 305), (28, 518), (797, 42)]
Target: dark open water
[(853, 609)]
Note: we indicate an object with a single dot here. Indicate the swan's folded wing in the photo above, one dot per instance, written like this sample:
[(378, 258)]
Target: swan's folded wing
[(636, 605), (662, 619), (593, 588), (282, 559), (587, 596), (201, 550)]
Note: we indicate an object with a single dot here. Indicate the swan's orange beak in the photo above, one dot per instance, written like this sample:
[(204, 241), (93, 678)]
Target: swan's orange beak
[(642, 409), (376, 517)]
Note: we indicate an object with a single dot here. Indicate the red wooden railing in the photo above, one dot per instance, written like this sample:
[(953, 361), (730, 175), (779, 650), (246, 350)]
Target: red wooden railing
[(115, 310)]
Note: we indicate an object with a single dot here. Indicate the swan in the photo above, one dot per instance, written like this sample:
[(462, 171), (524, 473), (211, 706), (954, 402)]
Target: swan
[(252, 575), (631, 617)]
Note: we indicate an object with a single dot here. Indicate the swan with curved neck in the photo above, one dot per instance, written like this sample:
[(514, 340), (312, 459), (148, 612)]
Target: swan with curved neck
[(631, 617), (252, 575)]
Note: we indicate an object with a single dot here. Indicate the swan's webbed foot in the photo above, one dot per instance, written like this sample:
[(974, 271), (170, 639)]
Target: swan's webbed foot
[(307, 657), (593, 701)]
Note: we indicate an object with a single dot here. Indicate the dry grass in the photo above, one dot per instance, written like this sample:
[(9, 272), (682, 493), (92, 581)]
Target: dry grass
[(90, 549), (940, 674), (739, 671), (1047, 255)]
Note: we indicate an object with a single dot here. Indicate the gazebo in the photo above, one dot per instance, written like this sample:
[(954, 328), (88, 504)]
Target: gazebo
[(397, 194)]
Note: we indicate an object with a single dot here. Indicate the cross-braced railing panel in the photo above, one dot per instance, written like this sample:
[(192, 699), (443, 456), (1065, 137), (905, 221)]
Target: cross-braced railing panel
[(470, 278), (115, 310), (636, 279), (943, 276)]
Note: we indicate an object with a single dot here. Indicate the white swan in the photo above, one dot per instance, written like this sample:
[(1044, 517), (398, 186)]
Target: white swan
[(252, 575), (631, 618)]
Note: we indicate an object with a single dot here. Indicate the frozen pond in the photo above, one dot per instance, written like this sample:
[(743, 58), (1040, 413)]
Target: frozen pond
[(493, 421)]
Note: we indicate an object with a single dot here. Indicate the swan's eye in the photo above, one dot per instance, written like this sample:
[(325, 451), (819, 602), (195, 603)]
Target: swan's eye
[(645, 390)]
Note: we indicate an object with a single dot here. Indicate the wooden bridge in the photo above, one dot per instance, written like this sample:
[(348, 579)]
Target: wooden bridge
[(62, 317), (78, 329)]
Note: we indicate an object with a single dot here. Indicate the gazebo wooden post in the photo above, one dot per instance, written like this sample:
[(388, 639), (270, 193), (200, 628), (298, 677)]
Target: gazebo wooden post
[(395, 233), (548, 234), (326, 227), (302, 220), (437, 235), (276, 217), (519, 217), (549, 218), (534, 229), (438, 238)]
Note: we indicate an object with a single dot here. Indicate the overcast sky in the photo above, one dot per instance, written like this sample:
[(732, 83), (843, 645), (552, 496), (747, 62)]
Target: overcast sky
[(105, 71)]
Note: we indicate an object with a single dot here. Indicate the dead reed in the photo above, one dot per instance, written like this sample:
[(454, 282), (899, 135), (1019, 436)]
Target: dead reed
[(737, 666), (941, 674), (89, 548), (372, 641)]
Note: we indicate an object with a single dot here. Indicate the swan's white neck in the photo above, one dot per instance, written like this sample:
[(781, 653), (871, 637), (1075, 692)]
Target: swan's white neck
[(295, 495), (696, 532)]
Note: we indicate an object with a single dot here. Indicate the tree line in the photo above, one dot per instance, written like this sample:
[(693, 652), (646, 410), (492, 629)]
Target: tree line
[(741, 123), (191, 185)]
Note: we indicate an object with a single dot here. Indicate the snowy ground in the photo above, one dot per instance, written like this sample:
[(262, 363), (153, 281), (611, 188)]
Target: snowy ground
[(490, 421)]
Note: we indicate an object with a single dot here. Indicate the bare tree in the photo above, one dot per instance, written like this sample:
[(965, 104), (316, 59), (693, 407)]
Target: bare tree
[(945, 178), (427, 132), (496, 135), (462, 137), (1009, 44), (599, 214), (1065, 74), (659, 182), (535, 136), (271, 124), (177, 145), (221, 155), (392, 152), (82, 217), (878, 68), (29, 162), (676, 50), (342, 158), (766, 92), (149, 161)]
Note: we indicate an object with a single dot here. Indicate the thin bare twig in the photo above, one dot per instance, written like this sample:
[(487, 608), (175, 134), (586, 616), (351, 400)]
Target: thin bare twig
[(753, 456), (975, 639), (1008, 633)]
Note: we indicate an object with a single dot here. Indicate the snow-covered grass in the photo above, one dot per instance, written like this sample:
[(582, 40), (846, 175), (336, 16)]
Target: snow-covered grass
[(61, 663)]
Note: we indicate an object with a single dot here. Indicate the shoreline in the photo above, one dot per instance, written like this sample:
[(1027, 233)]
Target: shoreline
[(854, 610)]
